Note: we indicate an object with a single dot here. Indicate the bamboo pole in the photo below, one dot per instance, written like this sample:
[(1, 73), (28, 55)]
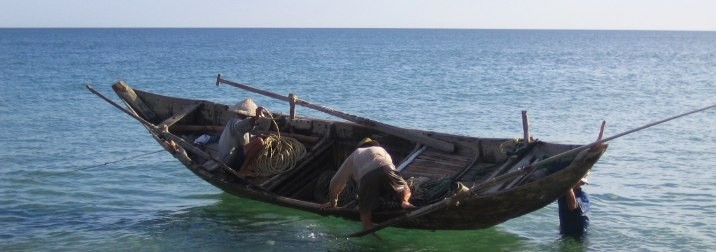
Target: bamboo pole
[(524, 170), (400, 132), (525, 127), (292, 101), (183, 143)]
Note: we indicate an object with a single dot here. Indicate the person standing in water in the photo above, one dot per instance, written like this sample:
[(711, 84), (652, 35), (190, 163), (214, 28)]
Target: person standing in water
[(573, 211)]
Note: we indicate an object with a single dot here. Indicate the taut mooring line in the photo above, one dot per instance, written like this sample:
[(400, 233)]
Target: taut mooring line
[(98, 165)]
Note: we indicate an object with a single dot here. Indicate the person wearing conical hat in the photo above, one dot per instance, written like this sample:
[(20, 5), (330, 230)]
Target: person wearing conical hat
[(371, 167), (573, 210), (236, 147)]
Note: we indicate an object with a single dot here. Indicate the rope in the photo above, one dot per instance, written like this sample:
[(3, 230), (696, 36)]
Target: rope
[(280, 154), (427, 191), (509, 146), (98, 165)]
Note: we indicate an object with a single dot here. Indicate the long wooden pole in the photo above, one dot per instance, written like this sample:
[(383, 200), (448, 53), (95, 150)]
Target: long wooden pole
[(525, 127), (183, 143), (429, 141), (525, 170), (275, 197), (601, 141)]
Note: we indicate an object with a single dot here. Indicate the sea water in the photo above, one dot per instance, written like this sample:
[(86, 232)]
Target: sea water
[(77, 174)]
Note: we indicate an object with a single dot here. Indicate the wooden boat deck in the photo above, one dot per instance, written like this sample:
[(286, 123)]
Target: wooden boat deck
[(436, 164)]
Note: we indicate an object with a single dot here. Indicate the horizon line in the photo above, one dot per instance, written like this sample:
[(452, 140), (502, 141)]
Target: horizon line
[(337, 28)]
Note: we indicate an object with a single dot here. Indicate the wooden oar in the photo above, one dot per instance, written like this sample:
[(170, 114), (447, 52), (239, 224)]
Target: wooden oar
[(521, 171), (404, 133)]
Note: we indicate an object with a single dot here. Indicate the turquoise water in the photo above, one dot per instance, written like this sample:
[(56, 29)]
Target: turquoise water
[(651, 191)]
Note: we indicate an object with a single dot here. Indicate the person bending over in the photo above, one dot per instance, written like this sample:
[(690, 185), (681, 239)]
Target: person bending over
[(371, 167)]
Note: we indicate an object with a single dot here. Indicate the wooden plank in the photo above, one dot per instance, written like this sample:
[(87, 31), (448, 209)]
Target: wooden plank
[(467, 167), (447, 172), (446, 161), (446, 168), (437, 167), (431, 163), (411, 157), (178, 116), (438, 163), (423, 174), (128, 95), (452, 166), (443, 156)]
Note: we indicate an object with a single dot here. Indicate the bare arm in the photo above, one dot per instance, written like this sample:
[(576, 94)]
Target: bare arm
[(571, 200), (338, 183)]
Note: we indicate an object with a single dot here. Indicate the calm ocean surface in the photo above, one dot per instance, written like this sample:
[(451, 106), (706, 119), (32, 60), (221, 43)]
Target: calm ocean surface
[(654, 190)]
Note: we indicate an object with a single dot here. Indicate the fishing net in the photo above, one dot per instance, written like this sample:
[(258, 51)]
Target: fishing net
[(424, 190), (427, 191), (320, 192)]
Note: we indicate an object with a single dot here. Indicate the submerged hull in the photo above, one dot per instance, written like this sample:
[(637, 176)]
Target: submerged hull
[(494, 168)]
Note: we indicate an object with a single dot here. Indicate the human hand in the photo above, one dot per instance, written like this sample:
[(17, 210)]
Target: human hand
[(172, 146), (325, 206), (406, 205), (259, 111)]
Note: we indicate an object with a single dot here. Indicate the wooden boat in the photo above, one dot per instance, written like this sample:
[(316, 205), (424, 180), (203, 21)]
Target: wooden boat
[(475, 182)]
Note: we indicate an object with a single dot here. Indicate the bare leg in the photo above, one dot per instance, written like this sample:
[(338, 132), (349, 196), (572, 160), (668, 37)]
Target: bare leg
[(250, 151), (405, 199), (367, 219)]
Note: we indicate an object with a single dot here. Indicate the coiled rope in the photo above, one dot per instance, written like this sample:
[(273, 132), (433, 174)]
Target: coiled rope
[(279, 155)]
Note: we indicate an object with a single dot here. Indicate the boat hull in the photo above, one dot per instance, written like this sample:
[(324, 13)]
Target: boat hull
[(475, 163)]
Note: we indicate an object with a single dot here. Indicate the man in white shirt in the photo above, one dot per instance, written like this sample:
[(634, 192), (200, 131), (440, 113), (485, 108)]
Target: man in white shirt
[(371, 167)]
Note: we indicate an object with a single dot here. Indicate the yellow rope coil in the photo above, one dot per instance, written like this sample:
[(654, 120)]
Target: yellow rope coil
[(279, 155)]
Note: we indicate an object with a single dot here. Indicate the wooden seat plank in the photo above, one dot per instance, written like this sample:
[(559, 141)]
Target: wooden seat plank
[(178, 116)]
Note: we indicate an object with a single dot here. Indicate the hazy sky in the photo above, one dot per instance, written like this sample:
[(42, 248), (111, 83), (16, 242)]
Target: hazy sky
[(507, 14)]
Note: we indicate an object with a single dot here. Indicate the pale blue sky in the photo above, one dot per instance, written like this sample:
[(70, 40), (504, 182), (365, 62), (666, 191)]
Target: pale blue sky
[(491, 14)]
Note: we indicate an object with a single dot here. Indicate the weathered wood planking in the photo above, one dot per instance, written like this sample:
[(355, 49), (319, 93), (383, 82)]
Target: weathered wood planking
[(437, 164)]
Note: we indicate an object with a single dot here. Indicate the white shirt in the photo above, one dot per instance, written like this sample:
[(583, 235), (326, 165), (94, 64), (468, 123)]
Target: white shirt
[(359, 163)]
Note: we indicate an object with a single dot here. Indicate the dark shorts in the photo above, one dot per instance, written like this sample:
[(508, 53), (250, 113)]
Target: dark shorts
[(237, 159), (382, 181)]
